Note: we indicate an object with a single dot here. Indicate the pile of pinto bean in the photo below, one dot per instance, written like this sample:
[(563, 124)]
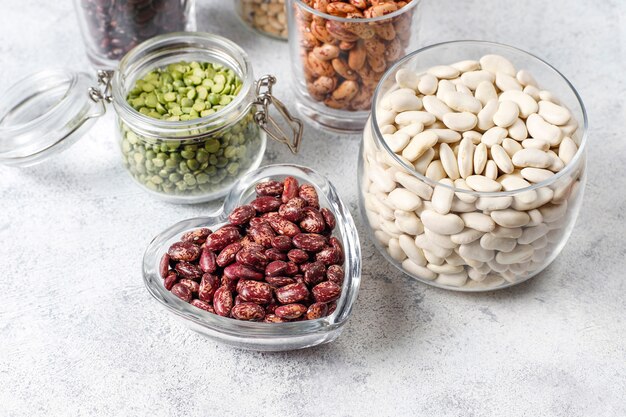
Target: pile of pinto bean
[(275, 261), (343, 61)]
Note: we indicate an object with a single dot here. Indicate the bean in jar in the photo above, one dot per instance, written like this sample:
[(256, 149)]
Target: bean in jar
[(476, 178), (266, 16), (275, 261), (112, 28), (346, 46), (184, 92)]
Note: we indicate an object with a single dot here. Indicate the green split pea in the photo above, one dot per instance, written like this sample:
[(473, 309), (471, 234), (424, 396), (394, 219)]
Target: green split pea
[(185, 91)]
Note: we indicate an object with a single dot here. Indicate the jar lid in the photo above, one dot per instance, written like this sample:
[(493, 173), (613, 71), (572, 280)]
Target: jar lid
[(45, 113)]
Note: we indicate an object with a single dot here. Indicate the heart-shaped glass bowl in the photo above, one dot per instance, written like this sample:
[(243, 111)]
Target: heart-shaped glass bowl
[(257, 335)]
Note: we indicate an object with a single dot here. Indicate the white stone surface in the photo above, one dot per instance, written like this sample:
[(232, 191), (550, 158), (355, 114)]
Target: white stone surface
[(80, 336)]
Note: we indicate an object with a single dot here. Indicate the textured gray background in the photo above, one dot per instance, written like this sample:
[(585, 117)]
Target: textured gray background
[(79, 335)]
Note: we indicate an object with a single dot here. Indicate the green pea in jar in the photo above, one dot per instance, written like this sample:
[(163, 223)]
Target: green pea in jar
[(192, 119)]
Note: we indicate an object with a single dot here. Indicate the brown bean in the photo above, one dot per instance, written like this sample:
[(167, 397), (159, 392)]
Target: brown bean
[(248, 312), (181, 291), (228, 254), (265, 204), (184, 251), (197, 236), (290, 311), (316, 311), (188, 270), (223, 301), (221, 238), (310, 242), (326, 52), (164, 265), (208, 285), (254, 291), (344, 70), (241, 215), (326, 292), (335, 274), (203, 305), (269, 188), (291, 293)]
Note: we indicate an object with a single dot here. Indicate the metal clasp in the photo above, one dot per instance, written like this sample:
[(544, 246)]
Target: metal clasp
[(101, 94), (268, 123)]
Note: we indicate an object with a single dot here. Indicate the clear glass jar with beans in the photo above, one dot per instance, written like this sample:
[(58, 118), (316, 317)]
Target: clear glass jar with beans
[(191, 117)]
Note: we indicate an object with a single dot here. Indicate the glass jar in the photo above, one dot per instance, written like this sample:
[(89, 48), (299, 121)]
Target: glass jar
[(258, 335), (269, 17), (112, 28), (339, 53), (467, 259), (178, 161)]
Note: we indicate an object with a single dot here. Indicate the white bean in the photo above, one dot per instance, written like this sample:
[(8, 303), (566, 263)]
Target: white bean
[(503, 244), (532, 158), (486, 115), (521, 253), (395, 251), (435, 106), (483, 184), (567, 150), (497, 63), (475, 251), (502, 159), (415, 116), (511, 146), (412, 129), (444, 72), (401, 101), (435, 171), (536, 144), (478, 221), (525, 78), (415, 185), (465, 158), (452, 280), (510, 218), (448, 160), (480, 158), (460, 122), (418, 145), (407, 243), (536, 218), (462, 102), (536, 175), (442, 196), (397, 141), (508, 232), (518, 130), (493, 203), (467, 65), (527, 105), (553, 113), (407, 79), (506, 82), (531, 234), (473, 78), (532, 91), (491, 170), (417, 270), (444, 224), (442, 241), (434, 259), (494, 136), (466, 236), (507, 114), (408, 222), (538, 128), (404, 199), (446, 135), (485, 92)]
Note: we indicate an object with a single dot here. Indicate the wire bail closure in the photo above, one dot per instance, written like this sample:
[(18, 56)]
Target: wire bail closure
[(263, 118)]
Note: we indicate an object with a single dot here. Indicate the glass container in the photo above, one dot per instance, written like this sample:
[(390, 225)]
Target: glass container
[(258, 335), (111, 28), (268, 17), (178, 161), (339, 52), (464, 261)]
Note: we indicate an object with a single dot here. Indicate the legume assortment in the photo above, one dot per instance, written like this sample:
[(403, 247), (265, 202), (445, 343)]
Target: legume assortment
[(342, 62), (184, 92), (479, 126), (276, 261), (265, 15)]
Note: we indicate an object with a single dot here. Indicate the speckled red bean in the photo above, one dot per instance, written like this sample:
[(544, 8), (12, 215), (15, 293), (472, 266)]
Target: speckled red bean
[(291, 293), (326, 291), (197, 236), (335, 274), (184, 251), (290, 311), (182, 291), (223, 301), (242, 215), (316, 311), (248, 312), (203, 305), (164, 265)]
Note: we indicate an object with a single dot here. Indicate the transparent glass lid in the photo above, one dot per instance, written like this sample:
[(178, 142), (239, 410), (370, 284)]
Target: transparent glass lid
[(45, 113)]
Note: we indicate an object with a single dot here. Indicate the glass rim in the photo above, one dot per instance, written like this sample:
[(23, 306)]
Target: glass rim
[(411, 169), (398, 12), (244, 329), (156, 44)]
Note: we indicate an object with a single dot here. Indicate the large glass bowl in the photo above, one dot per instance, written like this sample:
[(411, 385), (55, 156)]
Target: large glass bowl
[(552, 205), (252, 335)]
